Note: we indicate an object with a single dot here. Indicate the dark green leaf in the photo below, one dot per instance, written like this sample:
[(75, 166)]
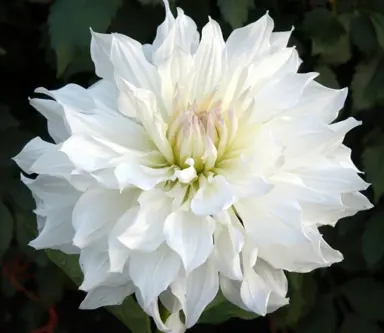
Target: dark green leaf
[(366, 297), (69, 23), (6, 228), (373, 160), (50, 284), (367, 84), (6, 119), (321, 319), (356, 324), (220, 310), (373, 239), (302, 293), (323, 26), (129, 312), (235, 12), (327, 77), (378, 22), (363, 33)]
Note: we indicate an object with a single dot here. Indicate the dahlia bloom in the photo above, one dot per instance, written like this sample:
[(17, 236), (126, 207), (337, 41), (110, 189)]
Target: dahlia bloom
[(194, 165)]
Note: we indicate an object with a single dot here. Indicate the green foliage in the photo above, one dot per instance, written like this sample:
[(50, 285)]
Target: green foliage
[(321, 319), (235, 12), (6, 228), (69, 23), (366, 296), (372, 241), (373, 159), (356, 324)]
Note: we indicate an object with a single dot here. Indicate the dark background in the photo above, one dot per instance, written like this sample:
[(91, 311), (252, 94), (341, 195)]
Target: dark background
[(46, 43)]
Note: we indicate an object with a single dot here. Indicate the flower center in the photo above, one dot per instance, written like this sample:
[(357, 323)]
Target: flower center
[(196, 136)]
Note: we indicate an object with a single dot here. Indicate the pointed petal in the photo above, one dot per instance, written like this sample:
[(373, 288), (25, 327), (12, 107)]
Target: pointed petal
[(96, 213), (163, 264), (202, 286), (190, 236), (145, 233), (249, 42), (130, 64), (105, 296), (213, 196), (229, 241)]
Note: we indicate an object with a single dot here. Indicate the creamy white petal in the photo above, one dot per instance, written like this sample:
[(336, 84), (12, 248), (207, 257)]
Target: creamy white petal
[(208, 62), (118, 252), (190, 236), (101, 45), (130, 63), (202, 285), (32, 151), (94, 263), (229, 241), (246, 43), (105, 296), (96, 213), (57, 230), (214, 195), (145, 232), (153, 272), (53, 112)]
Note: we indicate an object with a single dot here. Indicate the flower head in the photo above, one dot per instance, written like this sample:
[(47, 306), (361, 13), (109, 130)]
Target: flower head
[(193, 165)]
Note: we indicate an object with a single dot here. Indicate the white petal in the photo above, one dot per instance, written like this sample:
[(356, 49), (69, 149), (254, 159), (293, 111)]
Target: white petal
[(322, 101), (57, 230), (130, 63), (57, 126), (94, 264), (111, 126), (105, 296), (208, 62), (32, 151), (190, 236), (202, 286), (246, 43), (96, 213), (87, 153), (153, 272), (183, 35), (101, 45), (231, 291), (145, 233), (279, 40), (212, 196), (145, 178), (147, 112), (229, 241), (119, 253), (55, 193)]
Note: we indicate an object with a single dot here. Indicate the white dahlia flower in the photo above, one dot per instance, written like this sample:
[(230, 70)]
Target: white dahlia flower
[(194, 165)]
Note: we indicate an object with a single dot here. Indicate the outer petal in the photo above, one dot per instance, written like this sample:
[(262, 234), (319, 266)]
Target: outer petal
[(96, 213), (105, 296), (145, 233), (130, 64), (57, 127), (190, 236), (153, 272), (246, 43), (229, 241), (202, 286)]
